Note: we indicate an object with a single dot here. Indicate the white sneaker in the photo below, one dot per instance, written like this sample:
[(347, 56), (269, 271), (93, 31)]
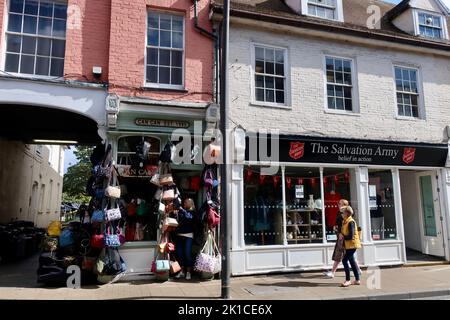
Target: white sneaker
[(179, 275), (329, 274), (188, 276)]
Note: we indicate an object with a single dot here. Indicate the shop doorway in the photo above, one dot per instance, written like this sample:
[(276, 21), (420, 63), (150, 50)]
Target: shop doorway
[(422, 216)]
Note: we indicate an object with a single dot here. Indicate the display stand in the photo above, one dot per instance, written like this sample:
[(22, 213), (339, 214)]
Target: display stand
[(305, 225)]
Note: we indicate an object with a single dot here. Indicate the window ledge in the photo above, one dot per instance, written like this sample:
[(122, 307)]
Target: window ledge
[(342, 113), (150, 88), (409, 119), (270, 105)]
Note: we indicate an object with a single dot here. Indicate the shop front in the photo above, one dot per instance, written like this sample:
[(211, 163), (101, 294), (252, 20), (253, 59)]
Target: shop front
[(138, 136), (283, 218)]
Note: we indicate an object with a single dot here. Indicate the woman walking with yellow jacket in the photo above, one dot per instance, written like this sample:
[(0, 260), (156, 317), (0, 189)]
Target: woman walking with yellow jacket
[(351, 242)]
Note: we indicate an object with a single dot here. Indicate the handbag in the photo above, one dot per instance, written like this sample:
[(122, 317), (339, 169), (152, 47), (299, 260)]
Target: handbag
[(158, 194), (168, 194), (112, 240), (163, 265), (213, 217), (66, 238), (195, 183), (132, 209), (112, 192), (208, 179), (171, 222), (174, 267), (166, 179), (142, 208), (161, 208), (98, 216), (97, 241), (54, 229), (207, 259), (113, 214)]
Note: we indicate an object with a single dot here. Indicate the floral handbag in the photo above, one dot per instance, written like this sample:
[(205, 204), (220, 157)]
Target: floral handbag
[(209, 259), (112, 240), (113, 214)]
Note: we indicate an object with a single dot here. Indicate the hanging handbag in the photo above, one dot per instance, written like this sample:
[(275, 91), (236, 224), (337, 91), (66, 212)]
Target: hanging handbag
[(161, 208), (112, 192), (98, 216), (98, 241), (54, 229), (168, 195), (166, 179), (112, 240), (208, 179), (163, 265), (206, 260), (174, 267), (132, 208), (155, 178), (113, 214), (66, 238), (213, 217), (158, 194), (142, 208)]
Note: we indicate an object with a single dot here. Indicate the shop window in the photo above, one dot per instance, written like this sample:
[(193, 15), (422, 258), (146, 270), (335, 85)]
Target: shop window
[(338, 184), (130, 151), (36, 37), (382, 205), (304, 219), (263, 208)]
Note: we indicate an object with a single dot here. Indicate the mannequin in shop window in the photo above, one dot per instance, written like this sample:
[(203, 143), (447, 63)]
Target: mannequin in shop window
[(331, 207)]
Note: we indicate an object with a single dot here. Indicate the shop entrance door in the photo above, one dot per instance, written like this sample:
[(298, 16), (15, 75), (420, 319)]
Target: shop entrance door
[(431, 217)]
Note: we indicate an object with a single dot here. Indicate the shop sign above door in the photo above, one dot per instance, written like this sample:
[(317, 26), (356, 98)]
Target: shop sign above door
[(146, 122), (324, 150)]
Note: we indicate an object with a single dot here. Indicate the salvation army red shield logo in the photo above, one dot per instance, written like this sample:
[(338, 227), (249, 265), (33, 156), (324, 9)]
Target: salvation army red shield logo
[(409, 155), (297, 150)]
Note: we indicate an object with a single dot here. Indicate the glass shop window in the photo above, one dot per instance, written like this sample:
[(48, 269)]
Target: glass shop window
[(382, 205), (304, 219), (338, 184), (263, 208), (137, 150)]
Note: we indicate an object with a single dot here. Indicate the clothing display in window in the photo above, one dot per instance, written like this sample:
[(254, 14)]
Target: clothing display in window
[(331, 207)]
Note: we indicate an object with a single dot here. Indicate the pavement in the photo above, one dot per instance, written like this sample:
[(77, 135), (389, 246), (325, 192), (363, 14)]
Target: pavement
[(18, 281)]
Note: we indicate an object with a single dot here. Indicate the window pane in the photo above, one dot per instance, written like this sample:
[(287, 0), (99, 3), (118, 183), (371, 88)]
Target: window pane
[(398, 73), (61, 11), (280, 96), (42, 66), (165, 21), (304, 219), (279, 56), (164, 57), (259, 68), (27, 64), (12, 63), (339, 64), (401, 112), (15, 23), (177, 59), (414, 100), (177, 40), (153, 20), (270, 68), (339, 91), (399, 85), (330, 76), (348, 92), (330, 90), (331, 103), (347, 66), (16, 6), (270, 96), (259, 81), (347, 78), (413, 75), (415, 111), (263, 210), (165, 38), (13, 43), (339, 103), (31, 7), (153, 37), (177, 23), (270, 83), (46, 9), (339, 77), (330, 65), (57, 68), (280, 69), (348, 104), (45, 27), (269, 55), (152, 74), (177, 75), (164, 75), (260, 95), (58, 48), (259, 53), (59, 28), (30, 24), (43, 47), (152, 56), (29, 45), (400, 98), (279, 83)]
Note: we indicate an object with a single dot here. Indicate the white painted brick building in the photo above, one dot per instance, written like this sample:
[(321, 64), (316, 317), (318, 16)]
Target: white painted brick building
[(401, 204)]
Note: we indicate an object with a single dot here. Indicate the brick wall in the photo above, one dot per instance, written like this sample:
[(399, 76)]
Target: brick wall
[(127, 47), (375, 82), (87, 42)]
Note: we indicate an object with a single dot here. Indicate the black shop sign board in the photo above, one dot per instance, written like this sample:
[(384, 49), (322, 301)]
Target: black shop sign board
[(307, 149)]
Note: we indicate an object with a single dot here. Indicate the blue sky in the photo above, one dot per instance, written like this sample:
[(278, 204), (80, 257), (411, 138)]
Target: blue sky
[(69, 158)]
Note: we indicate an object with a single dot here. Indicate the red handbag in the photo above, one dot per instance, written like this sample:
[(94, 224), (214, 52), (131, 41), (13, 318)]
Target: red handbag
[(213, 218), (97, 241), (195, 183), (170, 247), (132, 209)]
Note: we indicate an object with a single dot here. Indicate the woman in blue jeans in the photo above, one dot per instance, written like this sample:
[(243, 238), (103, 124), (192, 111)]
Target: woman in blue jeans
[(185, 236), (352, 242)]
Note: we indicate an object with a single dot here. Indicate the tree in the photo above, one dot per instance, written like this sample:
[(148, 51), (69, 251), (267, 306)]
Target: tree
[(74, 183)]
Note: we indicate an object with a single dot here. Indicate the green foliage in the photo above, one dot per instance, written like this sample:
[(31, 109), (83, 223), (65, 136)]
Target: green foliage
[(74, 185)]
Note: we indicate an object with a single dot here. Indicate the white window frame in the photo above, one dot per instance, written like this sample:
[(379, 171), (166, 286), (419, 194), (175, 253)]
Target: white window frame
[(339, 14), (183, 69), (3, 40), (355, 91), (287, 86), (420, 99), (444, 28)]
